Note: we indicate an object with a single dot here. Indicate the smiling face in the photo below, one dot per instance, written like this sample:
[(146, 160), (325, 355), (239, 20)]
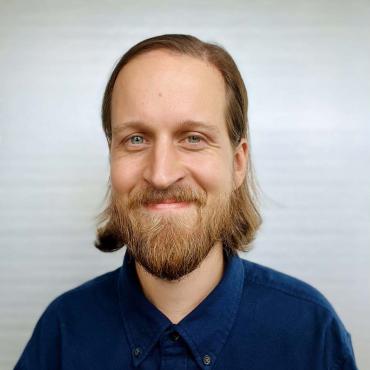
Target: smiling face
[(173, 168)]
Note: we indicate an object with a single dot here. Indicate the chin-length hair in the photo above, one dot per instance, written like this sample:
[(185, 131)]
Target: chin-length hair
[(246, 217)]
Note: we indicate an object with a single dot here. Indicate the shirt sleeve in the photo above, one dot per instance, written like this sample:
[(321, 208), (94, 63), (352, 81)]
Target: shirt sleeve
[(339, 351), (42, 352)]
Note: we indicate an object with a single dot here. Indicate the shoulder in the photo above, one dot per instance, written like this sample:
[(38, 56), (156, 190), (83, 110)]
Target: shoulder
[(80, 307), (284, 285), (283, 303), (77, 314), (97, 292)]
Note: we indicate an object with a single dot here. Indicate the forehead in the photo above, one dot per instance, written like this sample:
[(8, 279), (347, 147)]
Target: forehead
[(161, 87)]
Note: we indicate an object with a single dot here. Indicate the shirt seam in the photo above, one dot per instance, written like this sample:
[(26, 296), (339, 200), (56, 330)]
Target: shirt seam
[(338, 365), (92, 283), (339, 361), (290, 293)]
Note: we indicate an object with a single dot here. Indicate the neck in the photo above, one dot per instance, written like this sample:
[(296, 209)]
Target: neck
[(176, 299)]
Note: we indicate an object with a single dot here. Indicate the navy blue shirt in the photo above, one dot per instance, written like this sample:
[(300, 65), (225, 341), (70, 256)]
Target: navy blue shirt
[(256, 318)]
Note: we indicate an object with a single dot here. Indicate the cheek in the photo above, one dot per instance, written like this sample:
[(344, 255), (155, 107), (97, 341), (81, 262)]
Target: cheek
[(213, 175), (124, 175)]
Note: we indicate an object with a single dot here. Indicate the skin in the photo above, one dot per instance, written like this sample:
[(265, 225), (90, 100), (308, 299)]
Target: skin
[(156, 100)]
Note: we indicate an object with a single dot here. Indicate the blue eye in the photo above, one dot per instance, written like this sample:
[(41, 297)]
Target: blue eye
[(197, 139), (136, 139)]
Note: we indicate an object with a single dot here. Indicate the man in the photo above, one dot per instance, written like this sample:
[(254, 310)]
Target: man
[(182, 200)]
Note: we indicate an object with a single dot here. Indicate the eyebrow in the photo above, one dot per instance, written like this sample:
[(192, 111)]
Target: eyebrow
[(186, 124)]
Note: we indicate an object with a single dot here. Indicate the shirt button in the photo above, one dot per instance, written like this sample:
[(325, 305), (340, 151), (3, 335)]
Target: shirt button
[(136, 351), (206, 360), (175, 336)]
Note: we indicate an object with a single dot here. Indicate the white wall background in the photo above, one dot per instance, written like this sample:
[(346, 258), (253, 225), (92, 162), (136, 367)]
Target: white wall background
[(306, 66)]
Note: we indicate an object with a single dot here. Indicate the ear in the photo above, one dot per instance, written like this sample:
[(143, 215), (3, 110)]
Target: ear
[(240, 162)]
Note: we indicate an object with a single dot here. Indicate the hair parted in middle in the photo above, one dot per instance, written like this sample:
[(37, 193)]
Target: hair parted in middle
[(247, 218)]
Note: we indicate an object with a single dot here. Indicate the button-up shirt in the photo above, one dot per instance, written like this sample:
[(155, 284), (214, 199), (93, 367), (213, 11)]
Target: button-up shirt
[(255, 319)]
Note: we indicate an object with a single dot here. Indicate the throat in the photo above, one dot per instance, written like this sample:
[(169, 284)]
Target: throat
[(176, 299)]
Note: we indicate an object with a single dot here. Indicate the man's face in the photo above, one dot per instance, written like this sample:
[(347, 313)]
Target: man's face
[(173, 168)]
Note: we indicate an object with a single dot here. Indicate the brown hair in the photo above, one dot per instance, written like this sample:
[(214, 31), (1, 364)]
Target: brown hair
[(247, 219)]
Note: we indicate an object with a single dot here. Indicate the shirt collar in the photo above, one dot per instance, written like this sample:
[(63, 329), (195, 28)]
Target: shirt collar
[(205, 329)]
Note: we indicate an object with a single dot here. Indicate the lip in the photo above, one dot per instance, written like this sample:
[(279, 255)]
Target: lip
[(167, 204)]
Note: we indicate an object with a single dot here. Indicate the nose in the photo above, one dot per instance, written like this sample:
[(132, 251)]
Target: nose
[(164, 167)]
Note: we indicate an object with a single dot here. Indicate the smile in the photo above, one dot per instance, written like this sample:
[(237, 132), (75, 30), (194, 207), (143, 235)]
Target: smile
[(167, 204)]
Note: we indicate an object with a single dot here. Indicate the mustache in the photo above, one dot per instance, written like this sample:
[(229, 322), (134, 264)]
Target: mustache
[(183, 193)]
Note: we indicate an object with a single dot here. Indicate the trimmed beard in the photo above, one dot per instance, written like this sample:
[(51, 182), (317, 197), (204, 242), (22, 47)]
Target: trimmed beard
[(170, 245)]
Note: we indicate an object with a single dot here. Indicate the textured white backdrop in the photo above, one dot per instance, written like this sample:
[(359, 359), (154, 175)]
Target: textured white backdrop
[(306, 67)]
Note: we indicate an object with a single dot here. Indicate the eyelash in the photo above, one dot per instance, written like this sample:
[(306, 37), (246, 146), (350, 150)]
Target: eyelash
[(193, 136)]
